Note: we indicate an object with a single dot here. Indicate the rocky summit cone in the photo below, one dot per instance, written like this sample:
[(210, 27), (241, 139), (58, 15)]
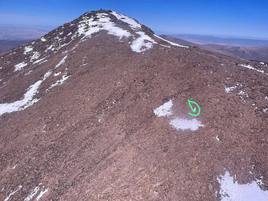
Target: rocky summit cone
[(97, 110)]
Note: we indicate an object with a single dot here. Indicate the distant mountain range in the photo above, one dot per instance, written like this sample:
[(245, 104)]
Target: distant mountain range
[(207, 39), (12, 36), (12, 32), (6, 45), (249, 49)]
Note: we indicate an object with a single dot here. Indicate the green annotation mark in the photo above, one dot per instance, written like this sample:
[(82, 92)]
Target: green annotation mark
[(194, 107)]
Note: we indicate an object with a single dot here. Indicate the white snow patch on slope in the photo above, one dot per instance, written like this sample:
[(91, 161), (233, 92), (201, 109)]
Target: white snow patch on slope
[(230, 190), (176, 122), (35, 56), (164, 110), (229, 89), (62, 61), (59, 82), (184, 124), (57, 74), (51, 47), (142, 43), (88, 26), (252, 68), (40, 61), (12, 193), (41, 193), (28, 49), (43, 39), (26, 101), (171, 43), (133, 24), (20, 66), (36, 193), (232, 88), (32, 194)]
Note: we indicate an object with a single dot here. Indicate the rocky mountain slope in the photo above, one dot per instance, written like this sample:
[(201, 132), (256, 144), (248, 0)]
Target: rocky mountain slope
[(97, 110)]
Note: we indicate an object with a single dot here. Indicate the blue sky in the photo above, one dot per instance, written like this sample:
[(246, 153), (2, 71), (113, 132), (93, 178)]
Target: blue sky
[(240, 18)]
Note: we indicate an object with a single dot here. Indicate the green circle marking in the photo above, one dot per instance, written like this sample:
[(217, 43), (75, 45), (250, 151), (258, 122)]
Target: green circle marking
[(194, 107)]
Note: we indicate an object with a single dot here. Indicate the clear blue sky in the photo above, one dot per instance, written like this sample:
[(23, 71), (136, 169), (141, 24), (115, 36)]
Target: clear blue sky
[(247, 18)]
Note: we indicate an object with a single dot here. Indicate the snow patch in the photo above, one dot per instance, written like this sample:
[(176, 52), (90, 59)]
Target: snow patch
[(26, 101), (185, 124), (20, 66), (252, 68), (131, 22), (35, 56), (243, 93), (89, 26), (169, 42), (43, 39), (40, 61), (142, 43), (164, 110), (59, 82), (57, 74), (176, 122), (32, 194), (230, 190), (229, 89), (232, 88), (12, 193), (41, 193), (36, 193), (28, 49), (62, 61)]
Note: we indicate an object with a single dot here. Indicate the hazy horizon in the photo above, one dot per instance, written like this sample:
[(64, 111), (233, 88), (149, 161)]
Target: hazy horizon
[(243, 19)]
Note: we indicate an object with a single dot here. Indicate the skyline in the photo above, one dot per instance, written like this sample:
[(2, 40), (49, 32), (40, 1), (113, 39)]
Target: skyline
[(241, 19)]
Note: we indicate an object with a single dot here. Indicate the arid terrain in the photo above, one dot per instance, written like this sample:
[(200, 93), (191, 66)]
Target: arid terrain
[(248, 49), (97, 110), (6, 45)]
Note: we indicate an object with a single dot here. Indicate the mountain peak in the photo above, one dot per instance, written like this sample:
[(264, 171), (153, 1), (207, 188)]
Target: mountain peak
[(141, 37), (65, 41)]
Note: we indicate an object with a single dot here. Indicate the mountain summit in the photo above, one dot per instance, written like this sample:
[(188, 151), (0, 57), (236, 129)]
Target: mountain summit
[(97, 110)]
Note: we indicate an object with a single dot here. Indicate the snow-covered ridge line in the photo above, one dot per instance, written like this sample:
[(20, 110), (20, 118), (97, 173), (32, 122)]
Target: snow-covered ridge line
[(171, 43), (89, 26), (140, 41), (131, 22)]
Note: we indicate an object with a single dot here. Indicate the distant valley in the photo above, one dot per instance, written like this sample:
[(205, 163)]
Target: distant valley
[(6, 45), (12, 36), (249, 49)]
